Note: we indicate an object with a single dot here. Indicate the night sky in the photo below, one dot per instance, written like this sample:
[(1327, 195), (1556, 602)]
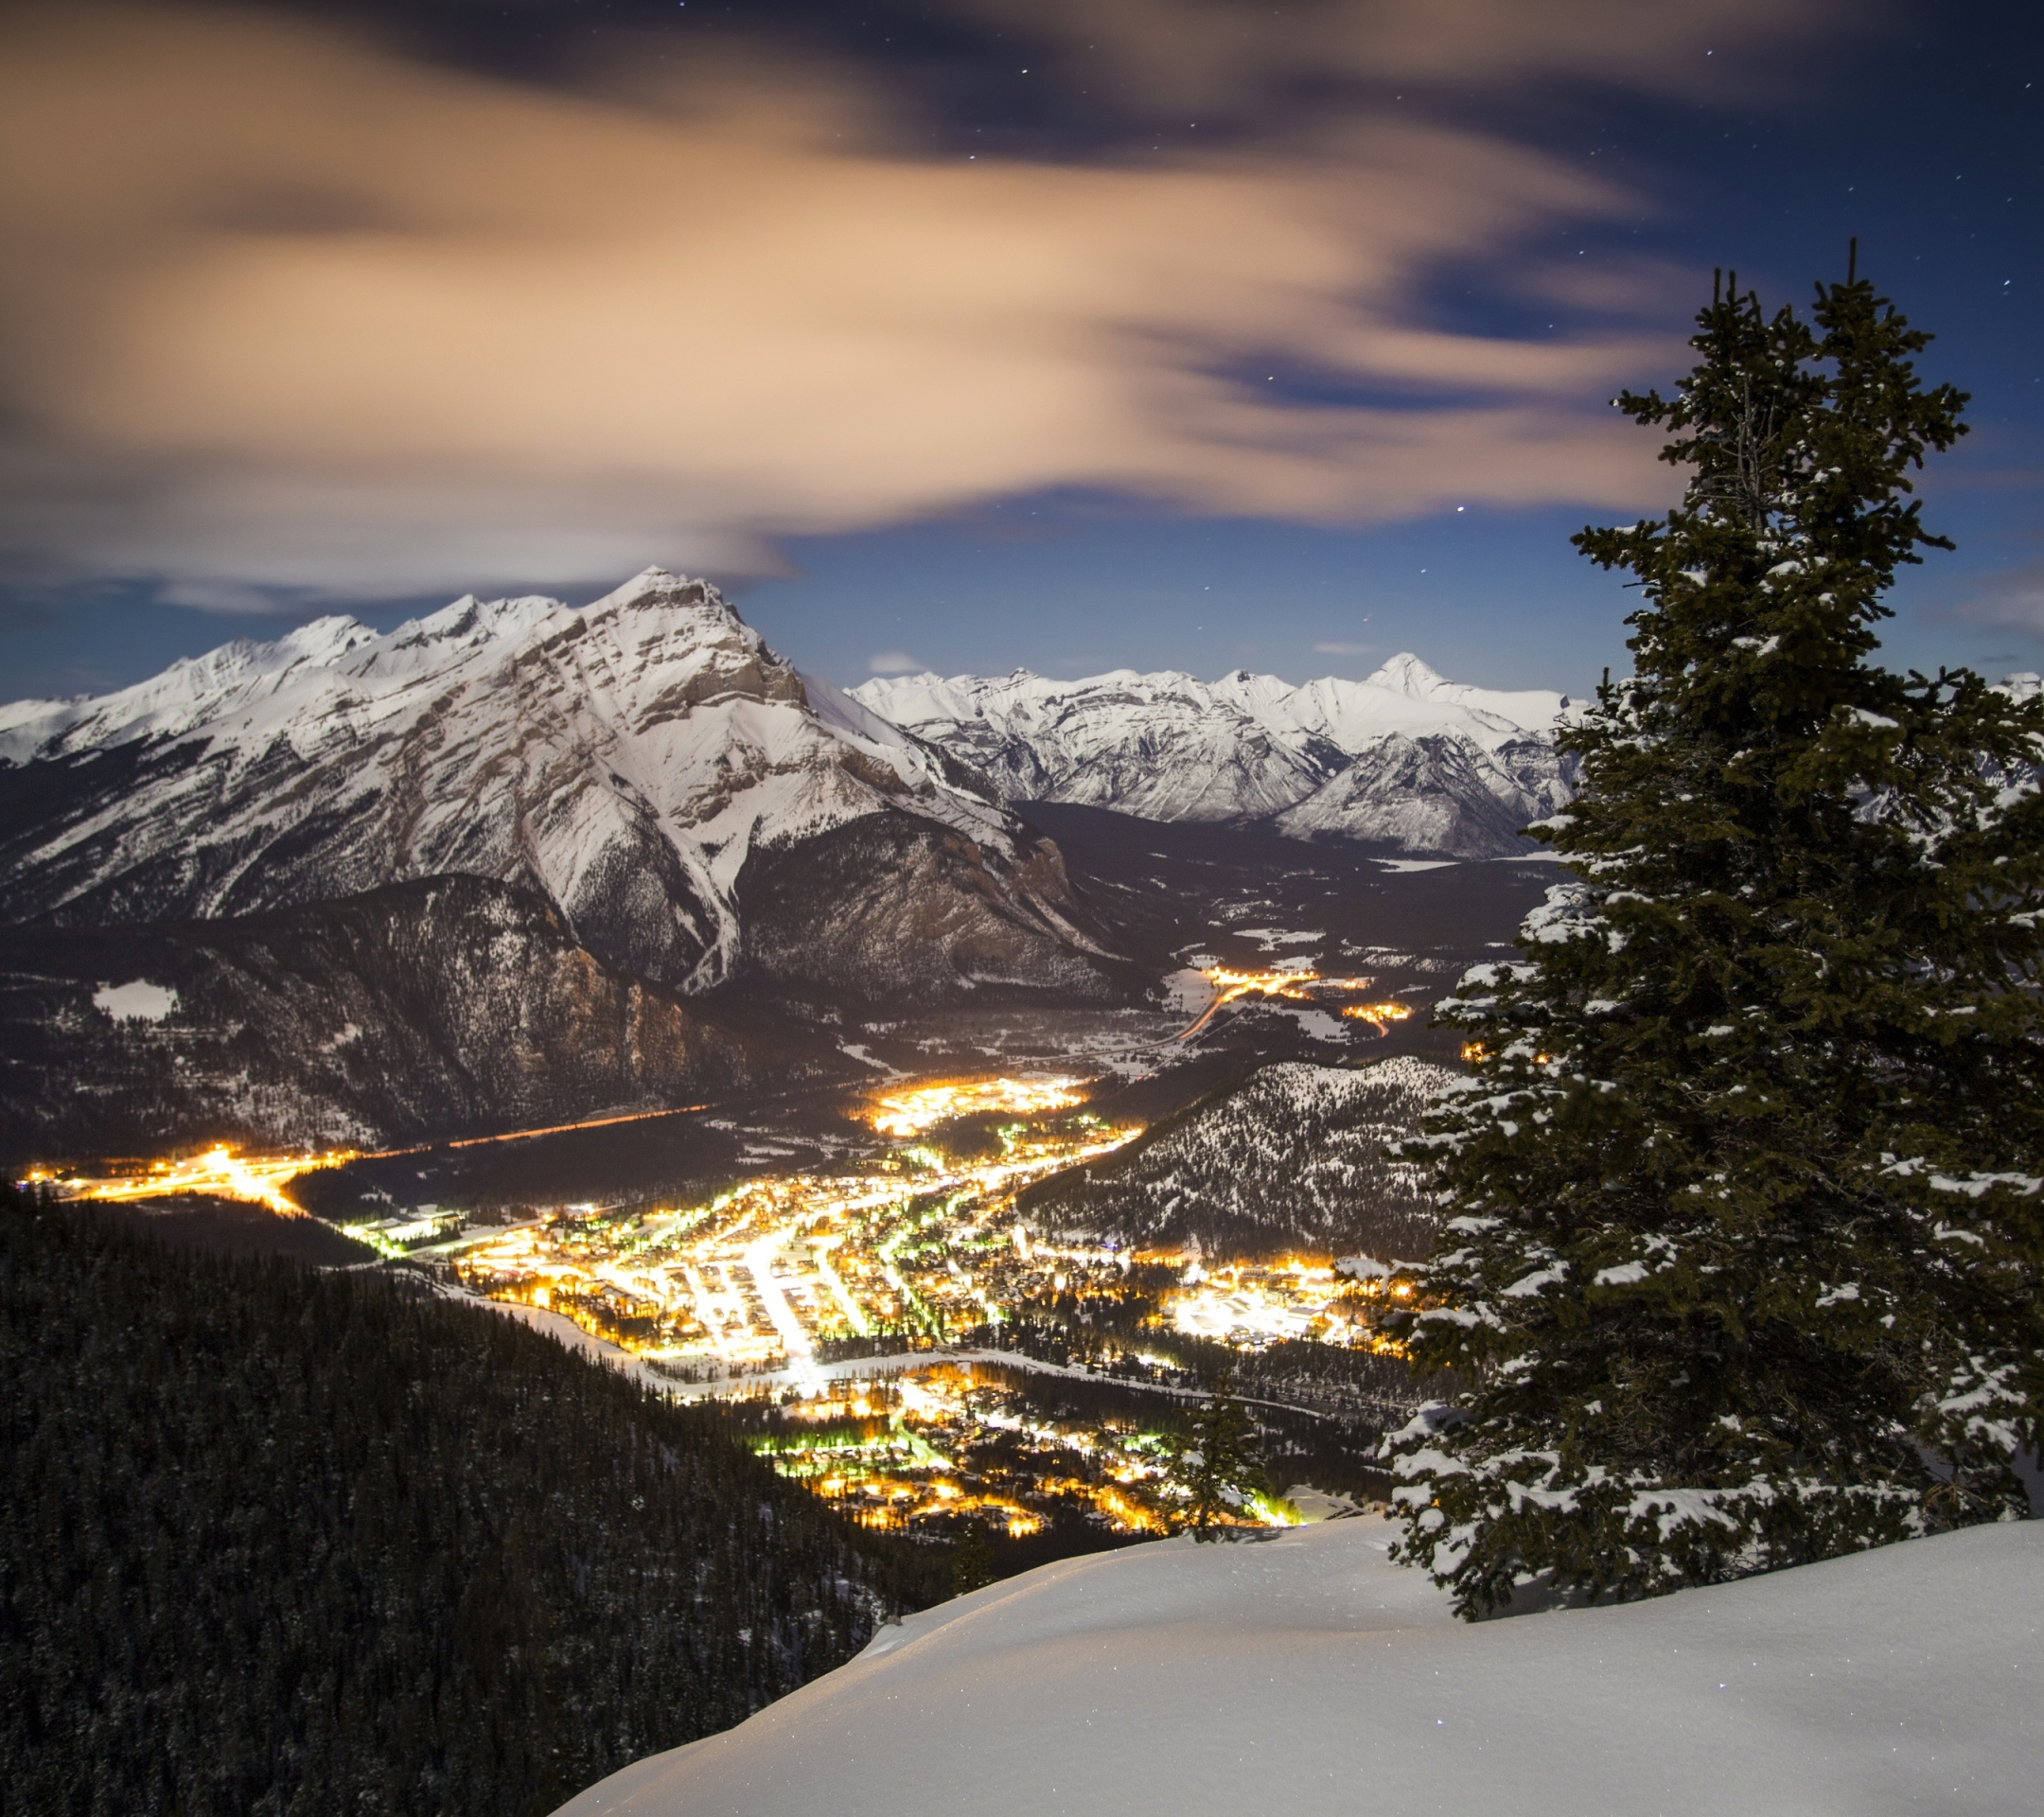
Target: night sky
[(1064, 334)]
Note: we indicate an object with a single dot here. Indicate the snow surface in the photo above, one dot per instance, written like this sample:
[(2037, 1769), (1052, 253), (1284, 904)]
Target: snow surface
[(1404, 756), (1308, 1673), (140, 1002)]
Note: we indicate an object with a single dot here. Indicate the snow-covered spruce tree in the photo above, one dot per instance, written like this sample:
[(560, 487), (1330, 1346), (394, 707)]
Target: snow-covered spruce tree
[(1744, 1224), (1221, 1468)]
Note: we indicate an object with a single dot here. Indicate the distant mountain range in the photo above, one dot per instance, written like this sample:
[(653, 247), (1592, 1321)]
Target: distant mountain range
[(479, 870), (1405, 760), (640, 800)]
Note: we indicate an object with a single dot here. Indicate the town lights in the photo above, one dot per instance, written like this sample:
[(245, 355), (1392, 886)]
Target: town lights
[(1297, 984), (909, 1113), (1290, 984), (254, 1179), (1228, 985)]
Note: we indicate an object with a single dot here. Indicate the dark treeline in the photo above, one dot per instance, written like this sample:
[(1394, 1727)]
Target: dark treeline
[(234, 1228), (1331, 1452), (280, 1541)]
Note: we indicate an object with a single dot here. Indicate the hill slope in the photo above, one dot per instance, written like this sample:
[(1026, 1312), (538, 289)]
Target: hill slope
[(1308, 1673), (273, 1540), (1292, 1156), (422, 1010)]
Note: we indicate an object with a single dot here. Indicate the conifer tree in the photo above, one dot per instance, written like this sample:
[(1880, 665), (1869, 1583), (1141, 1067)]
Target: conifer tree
[(972, 1560), (1220, 1466), (1744, 1224)]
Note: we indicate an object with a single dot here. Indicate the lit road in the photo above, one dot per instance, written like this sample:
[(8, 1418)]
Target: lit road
[(759, 1258), (254, 1179), (1299, 985)]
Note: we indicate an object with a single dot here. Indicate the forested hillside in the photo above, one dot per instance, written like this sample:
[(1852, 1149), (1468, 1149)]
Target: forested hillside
[(1292, 1156), (295, 1542)]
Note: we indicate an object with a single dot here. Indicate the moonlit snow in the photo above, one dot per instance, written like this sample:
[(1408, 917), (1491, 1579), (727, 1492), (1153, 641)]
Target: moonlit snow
[(1308, 1673), (140, 1002)]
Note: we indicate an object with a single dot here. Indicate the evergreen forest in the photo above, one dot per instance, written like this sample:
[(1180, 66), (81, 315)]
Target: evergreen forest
[(279, 1541)]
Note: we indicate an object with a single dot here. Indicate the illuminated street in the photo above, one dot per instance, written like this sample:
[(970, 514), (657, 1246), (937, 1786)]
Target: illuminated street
[(879, 1319), (1297, 983), (774, 1272)]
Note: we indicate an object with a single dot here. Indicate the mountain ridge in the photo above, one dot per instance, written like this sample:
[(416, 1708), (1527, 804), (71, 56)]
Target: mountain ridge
[(626, 762), (1404, 758), (1291, 1156)]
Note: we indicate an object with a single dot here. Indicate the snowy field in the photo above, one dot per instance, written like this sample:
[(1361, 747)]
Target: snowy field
[(1307, 1673)]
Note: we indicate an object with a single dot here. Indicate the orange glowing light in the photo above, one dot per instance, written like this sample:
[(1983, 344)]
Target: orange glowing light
[(903, 1113), (1380, 1015), (1228, 985), (254, 1178)]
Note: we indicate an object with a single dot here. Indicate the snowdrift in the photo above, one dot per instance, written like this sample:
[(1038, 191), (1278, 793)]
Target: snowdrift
[(1308, 1673)]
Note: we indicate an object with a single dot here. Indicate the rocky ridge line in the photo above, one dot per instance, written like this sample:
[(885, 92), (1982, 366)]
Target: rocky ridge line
[(1404, 759)]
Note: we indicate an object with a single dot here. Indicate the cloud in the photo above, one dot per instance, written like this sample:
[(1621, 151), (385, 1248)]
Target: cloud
[(229, 598), (895, 663), (2013, 599), (1231, 58), (1344, 649), (287, 309)]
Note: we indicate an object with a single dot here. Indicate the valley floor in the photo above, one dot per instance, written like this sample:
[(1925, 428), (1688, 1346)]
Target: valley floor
[(1307, 1672)]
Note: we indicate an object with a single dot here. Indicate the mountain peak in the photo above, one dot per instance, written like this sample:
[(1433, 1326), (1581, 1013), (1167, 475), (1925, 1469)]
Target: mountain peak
[(1407, 757), (622, 762), (1407, 673), (324, 639), (660, 587)]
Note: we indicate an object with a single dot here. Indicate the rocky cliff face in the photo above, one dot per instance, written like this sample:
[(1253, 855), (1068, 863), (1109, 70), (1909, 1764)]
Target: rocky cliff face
[(641, 766), (1404, 759), (424, 1010), (477, 874)]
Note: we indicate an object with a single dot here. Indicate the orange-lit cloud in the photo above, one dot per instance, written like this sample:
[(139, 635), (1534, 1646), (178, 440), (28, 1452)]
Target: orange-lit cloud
[(287, 309)]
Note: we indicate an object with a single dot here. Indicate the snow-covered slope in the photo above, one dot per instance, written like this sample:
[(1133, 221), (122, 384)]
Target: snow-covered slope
[(1404, 758), (624, 762), (1310, 1674)]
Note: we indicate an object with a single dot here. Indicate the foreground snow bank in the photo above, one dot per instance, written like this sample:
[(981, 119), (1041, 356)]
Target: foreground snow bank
[(1310, 1673)]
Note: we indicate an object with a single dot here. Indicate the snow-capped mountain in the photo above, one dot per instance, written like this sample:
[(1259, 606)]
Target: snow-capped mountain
[(1404, 758), (639, 765)]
